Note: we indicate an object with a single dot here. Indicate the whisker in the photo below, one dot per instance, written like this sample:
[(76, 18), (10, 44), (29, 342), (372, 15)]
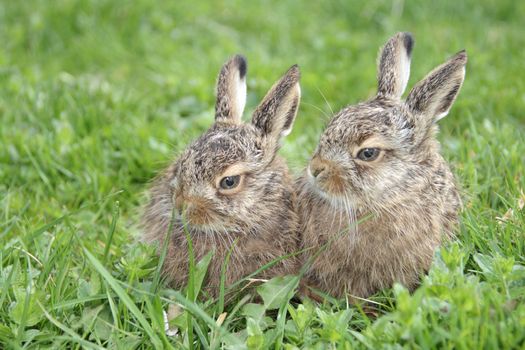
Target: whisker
[(325, 115), (341, 217), (333, 215), (353, 216), (325, 100)]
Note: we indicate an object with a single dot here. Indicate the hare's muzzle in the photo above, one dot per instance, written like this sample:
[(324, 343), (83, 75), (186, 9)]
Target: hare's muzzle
[(326, 176), (196, 210)]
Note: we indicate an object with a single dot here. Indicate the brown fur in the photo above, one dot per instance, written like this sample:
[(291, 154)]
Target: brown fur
[(380, 221), (258, 219)]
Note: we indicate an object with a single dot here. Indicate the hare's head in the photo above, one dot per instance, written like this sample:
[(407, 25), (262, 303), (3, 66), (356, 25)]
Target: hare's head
[(229, 175), (372, 153)]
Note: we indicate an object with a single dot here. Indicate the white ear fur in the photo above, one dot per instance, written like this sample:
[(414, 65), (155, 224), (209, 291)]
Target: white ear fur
[(275, 115), (240, 95), (432, 98), (288, 107), (394, 66), (231, 91), (444, 113), (404, 72)]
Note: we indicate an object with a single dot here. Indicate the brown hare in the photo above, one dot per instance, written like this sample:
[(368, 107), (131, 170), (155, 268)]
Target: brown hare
[(377, 195), (231, 188)]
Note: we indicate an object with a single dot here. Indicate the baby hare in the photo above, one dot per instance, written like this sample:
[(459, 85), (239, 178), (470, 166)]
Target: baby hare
[(229, 189), (377, 195)]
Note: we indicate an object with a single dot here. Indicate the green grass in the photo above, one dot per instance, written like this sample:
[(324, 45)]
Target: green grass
[(97, 96)]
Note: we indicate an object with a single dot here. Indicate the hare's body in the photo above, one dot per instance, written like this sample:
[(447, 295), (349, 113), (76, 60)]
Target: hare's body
[(229, 191), (386, 246), (378, 198), (272, 234)]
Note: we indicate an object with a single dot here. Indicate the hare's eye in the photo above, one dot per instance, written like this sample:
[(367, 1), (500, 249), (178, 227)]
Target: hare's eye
[(230, 182), (368, 154)]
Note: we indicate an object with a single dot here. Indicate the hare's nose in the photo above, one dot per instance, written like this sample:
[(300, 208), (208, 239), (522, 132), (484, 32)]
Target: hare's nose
[(317, 166), (184, 202)]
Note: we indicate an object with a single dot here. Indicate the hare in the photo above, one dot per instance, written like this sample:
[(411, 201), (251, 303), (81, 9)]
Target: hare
[(377, 198), (229, 190)]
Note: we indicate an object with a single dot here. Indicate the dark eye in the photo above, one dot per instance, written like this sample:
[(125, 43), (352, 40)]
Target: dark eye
[(368, 154), (230, 182)]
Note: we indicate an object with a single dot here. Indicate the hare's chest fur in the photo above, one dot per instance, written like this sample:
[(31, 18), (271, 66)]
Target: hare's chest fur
[(379, 251), (363, 262)]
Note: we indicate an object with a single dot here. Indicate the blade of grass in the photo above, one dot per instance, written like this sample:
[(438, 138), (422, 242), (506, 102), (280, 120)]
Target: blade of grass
[(201, 268), (74, 336), (216, 338), (58, 220), (263, 268), (27, 300), (201, 335), (124, 297), (154, 306), (220, 304), (113, 308), (281, 315), (190, 293), (74, 302), (164, 251), (13, 220), (5, 291), (112, 228), (197, 311), (38, 169)]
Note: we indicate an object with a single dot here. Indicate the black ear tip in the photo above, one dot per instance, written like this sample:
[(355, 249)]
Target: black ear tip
[(242, 65), (294, 71), (408, 41), (462, 56)]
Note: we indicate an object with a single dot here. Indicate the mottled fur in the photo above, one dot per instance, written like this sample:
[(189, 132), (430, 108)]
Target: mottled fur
[(381, 221), (258, 219)]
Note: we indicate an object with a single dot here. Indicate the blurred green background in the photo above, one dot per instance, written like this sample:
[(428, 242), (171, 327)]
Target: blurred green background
[(97, 96), (149, 70)]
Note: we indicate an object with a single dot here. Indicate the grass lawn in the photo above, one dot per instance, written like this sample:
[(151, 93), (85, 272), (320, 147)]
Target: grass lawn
[(97, 96)]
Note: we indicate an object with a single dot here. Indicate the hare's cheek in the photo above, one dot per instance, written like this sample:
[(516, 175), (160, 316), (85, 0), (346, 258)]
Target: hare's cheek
[(364, 178)]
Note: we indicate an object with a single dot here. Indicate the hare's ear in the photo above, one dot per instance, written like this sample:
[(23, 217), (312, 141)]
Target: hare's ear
[(431, 98), (276, 113), (231, 91), (394, 66)]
